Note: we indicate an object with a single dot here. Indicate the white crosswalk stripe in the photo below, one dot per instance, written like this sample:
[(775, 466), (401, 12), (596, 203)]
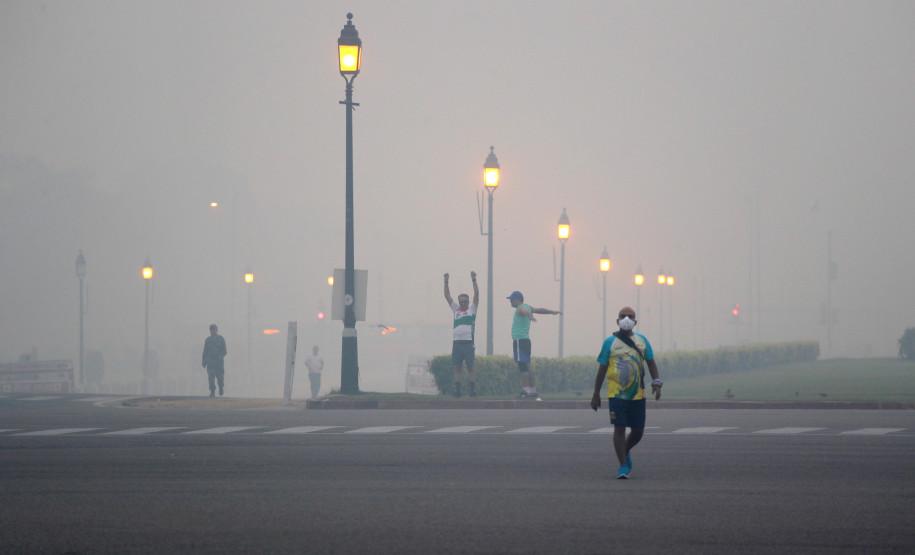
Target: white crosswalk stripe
[(380, 429), (95, 399), (8, 430), (704, 430), (302, 429), (57, 432), (460, 429), (41, 398), (787, 431), (221, 430), (871, 431), (539, 429), (143, 431)]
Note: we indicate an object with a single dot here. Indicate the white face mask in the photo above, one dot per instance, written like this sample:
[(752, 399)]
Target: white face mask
[(627, 323)]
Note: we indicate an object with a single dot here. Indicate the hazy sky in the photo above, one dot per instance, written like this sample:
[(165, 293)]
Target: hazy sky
[(658, 125)]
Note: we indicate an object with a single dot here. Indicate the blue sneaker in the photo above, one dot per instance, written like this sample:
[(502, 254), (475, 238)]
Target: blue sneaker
[(623, 473)]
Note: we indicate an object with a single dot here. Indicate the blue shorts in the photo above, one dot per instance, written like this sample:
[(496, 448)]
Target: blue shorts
[(521, 349), (627, 414)]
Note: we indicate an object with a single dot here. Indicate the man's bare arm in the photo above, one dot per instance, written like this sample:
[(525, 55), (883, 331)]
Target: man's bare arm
[(545, 311), (476, 289), (598, 382), (448, 292), (656, 379)]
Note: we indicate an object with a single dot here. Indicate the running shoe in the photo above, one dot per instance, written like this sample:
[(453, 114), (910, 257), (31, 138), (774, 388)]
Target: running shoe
[(623, 472)]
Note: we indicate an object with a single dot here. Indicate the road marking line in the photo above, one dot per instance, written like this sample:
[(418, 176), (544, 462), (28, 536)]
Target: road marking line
[(459, 429), (380, 429), (787, 431), (539, 429), (221, 430), (8, 430), (40, 398), (142, 431), (302, 429), (92, 399), (57, 432), (871, 431), (704, 430)]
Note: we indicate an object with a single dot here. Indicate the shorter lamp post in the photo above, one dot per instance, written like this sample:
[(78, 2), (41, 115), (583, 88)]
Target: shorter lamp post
[(670, 282), (491, 175), (563, 232), (639, 280), (662, 281), (604, 266), (147, 273), (81, 274), (249, 282)]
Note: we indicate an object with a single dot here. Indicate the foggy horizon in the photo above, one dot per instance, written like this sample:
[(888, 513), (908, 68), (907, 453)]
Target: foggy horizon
[(673, 134)]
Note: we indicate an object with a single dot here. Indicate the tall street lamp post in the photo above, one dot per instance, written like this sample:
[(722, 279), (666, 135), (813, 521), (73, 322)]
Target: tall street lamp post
[(563, 231), (349, 50), (147, 274), (604, 266), (491, 174), (662, 281), (249, 282), (670, 282), (639, 280), (81, 274)]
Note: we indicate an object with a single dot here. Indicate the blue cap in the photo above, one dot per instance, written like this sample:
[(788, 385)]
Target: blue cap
[(516, 295)]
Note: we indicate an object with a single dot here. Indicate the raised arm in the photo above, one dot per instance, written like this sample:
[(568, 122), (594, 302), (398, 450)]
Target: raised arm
[(476, 289), (448, 292)]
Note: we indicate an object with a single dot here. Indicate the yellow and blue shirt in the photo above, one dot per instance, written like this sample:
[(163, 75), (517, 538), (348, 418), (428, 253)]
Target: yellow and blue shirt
[(625, 368)]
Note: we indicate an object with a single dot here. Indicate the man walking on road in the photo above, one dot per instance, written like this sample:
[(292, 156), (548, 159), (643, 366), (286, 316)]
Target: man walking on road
[(463, 353), (521, 341), (315, 365), (622, 359), (214, 351)]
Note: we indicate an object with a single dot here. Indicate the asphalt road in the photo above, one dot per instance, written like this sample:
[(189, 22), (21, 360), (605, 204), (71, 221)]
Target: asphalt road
[(81, 478)]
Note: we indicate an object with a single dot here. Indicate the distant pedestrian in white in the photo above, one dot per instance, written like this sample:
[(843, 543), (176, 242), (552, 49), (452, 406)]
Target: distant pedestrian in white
[(315, 365)]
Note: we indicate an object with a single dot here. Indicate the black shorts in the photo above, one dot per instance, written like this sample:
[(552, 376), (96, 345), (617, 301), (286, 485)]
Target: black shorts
[(462, 352), (627, 414)]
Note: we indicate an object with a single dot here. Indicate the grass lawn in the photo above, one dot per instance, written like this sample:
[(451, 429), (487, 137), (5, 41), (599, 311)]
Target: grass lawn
[(833, 380)]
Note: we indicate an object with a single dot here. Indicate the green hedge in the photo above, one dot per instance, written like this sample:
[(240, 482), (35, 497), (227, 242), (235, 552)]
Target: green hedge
[(498, 375)]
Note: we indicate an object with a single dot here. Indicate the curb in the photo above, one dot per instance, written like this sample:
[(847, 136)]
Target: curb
[(331, 403)]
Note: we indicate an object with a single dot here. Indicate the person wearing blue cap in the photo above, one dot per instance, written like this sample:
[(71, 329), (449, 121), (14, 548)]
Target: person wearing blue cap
[(521, 341)]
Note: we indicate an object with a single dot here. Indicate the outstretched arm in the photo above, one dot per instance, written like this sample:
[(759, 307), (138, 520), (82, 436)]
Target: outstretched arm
[(476, 289), (545, 311), (448, 292)]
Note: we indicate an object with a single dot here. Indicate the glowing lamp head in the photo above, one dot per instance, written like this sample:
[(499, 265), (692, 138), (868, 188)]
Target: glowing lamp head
[(491, 170), (146, 272), (321, 315), (605, 263), (662, 278), (349, 49), (638, 279), (249, 277), (214, 204), (330, 280), (671, 281), (563, 229), (735, 312)]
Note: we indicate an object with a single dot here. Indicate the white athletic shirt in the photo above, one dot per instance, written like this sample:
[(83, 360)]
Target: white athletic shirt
[(314, 364), (464, 321)]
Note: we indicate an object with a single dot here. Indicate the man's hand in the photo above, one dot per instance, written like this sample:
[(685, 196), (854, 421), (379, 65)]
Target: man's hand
[(656, 390), (473, 276), (595, 402)]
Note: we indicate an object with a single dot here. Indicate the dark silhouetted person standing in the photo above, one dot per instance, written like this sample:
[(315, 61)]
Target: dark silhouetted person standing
[(214, 351), (315, 365)]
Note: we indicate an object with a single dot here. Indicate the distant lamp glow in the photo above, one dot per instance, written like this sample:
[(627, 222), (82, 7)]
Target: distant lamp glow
[(249, 277), (639, 278), (147, 271), (605, 263), (321, 315), (671, 281), (271, 331), (214, 204), (662, 278), (735, 312), (330, 280), (563, 229), (349, 49), (491, 170)]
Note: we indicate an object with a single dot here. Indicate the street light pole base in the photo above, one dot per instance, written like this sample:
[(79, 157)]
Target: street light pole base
[(349, 379)]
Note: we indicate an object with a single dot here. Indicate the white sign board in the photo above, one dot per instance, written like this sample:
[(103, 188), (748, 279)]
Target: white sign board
[(340, 301)]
